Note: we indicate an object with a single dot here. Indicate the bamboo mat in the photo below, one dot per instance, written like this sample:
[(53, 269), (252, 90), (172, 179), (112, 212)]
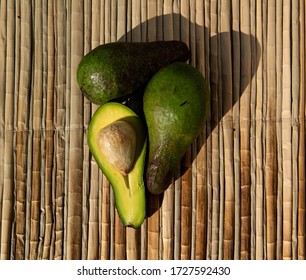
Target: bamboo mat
[(239, 192)]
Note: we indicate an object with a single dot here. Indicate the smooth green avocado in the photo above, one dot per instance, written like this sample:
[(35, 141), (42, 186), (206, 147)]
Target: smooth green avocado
[(118, 69), (176, 103), (117, 139)]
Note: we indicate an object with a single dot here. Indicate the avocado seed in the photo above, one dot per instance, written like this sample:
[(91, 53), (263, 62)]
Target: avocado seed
[(117, 142)]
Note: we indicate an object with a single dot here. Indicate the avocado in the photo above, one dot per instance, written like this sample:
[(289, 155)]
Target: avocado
[(176, 103), (118, 69), (118, 141)]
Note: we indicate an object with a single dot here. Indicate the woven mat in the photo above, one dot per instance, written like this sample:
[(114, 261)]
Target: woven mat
[(239, 192)]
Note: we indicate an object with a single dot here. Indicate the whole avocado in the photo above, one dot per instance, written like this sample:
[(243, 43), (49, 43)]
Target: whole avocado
[(115, 70), (176, 104)]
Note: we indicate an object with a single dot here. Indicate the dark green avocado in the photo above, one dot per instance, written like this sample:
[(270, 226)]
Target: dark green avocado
[(176, 104), (115, 70)]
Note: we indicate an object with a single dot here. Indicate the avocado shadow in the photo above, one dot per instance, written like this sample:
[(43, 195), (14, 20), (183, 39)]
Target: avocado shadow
[(230, 61)]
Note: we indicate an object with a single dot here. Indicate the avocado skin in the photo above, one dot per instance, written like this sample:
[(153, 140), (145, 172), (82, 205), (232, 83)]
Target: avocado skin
[(176, 104), (129, 190), (114, 70)]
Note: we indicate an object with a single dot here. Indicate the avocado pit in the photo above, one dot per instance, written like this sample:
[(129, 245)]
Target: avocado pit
[(117, 142)]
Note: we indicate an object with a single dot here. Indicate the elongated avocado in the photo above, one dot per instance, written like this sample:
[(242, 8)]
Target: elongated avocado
[(117, 140), (115, 70), (176, 103)]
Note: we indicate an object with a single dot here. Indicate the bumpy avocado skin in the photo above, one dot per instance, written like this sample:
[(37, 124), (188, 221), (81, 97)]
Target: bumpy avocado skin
[(176, 104), (129, 190), (114, 70)]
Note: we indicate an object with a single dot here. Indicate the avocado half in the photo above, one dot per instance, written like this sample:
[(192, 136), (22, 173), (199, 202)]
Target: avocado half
[(129, 189)]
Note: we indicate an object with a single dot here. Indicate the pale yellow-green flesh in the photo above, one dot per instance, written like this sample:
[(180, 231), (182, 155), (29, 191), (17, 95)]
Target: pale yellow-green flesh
[(129, 190)]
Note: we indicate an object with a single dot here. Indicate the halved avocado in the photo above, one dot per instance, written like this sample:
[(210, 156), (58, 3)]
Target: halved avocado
[(128, 185)]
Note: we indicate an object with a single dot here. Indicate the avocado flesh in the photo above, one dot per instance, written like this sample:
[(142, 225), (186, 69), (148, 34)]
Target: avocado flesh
[(176, 104), (129, 189), (115, 70)]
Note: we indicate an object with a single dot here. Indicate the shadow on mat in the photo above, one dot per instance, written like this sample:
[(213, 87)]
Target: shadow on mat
[(229, 66)]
